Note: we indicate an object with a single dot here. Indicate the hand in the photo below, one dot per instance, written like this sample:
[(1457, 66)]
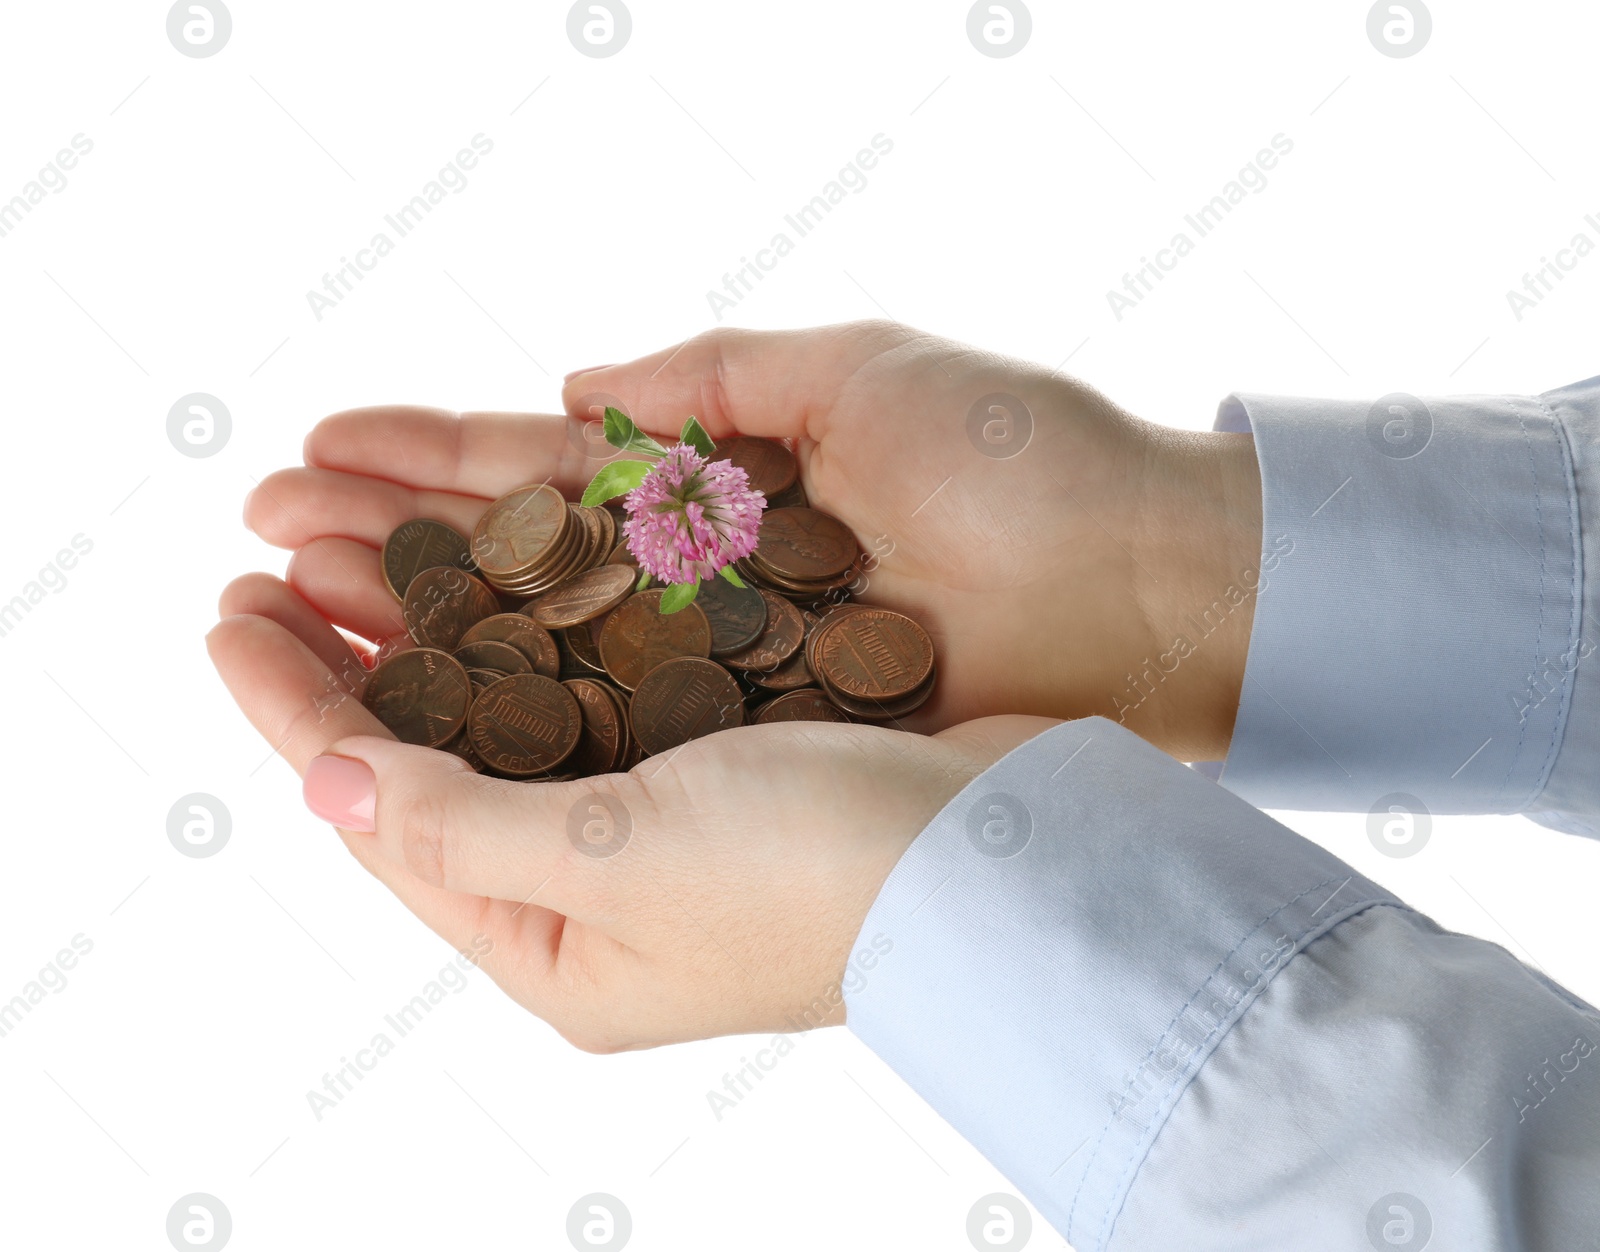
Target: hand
[(733, 904), (1054, 582)]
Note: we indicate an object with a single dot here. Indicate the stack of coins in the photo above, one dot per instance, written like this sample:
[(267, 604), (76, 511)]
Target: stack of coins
[(587, 676)]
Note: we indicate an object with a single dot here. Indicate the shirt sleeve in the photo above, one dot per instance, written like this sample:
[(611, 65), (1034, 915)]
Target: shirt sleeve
[(1172, 1022), (1427, 610)]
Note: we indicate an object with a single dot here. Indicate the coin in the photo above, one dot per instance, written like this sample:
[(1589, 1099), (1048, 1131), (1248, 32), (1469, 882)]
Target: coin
[(589, 594), (525, 724), (493, 655), (737, 614), (788, 676), (804, 545), (637, 637), (604, 738), (519, 531), (442, 604), (871, 711), (584, 644), (781, 636), (873, 654), (421, 695), (683, 699), (768, 464), (523, 634), (419, 545), (799, 706)]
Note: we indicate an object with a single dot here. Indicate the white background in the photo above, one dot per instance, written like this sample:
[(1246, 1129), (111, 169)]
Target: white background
[(1019, 190)]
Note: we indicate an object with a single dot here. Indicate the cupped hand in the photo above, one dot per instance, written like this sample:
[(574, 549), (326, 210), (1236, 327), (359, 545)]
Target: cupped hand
[(715, 889)]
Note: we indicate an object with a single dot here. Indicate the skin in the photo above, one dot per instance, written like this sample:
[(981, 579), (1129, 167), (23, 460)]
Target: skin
[(1045, 579)]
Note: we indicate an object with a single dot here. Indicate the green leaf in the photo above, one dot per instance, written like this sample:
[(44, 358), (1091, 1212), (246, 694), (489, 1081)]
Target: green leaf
[(644, 580), (727, 572), (621, 433), (678, 596), (695, 436), (614, 480)]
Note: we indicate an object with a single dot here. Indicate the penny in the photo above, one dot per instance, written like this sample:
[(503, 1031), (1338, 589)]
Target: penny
[(683, 699), (586, 595), (482, 678), (523, 634), (584, 644), (872, 711), (781, 636), (874, 654), (805, 545), (419, 545), (621, 556), (737, 615), (637, 637), (421, 695), (788, 676), (799, 706), (603, 741), (491, 654), (525, 724), (519, 530), (443, 603), (768, 464)]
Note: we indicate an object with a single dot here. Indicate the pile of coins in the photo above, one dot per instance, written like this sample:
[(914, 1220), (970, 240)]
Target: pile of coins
[(541, 653)]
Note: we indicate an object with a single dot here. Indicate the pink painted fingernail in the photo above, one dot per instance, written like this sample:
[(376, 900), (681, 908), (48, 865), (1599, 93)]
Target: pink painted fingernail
[(342, 790), (587, 369)]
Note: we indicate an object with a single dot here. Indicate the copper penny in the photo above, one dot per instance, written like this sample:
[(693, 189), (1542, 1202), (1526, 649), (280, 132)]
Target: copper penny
[(799, 706), (523, 634), (805, 545), (781, 635), (419, 545), (519, 530), (872, 711), (586, 595), (769, 465), (525, 724), (494, 655), (790, 675), (737, 615), (584, 644), (874, 654), (421, 695), (443, 603), (637, 637), (604, 739), (683, 699)]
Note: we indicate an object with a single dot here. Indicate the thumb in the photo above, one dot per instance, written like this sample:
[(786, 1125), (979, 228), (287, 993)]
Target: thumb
[(429, 813)]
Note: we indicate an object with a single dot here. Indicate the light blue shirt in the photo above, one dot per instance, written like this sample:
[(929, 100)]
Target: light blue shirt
[(1175, 1024)]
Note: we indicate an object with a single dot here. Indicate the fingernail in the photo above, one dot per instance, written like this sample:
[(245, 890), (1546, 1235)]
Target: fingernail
[(587, 369), (342, 790)]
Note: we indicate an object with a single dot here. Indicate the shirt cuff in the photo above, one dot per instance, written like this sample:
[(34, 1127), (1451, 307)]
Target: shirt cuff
[(1418, 636)]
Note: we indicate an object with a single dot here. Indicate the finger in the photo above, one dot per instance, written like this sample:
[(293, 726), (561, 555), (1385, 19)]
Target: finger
[(342, 580), (262, 595), (461, 831), (754, 382), (293, 506), (480, 454), (283, 687)]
